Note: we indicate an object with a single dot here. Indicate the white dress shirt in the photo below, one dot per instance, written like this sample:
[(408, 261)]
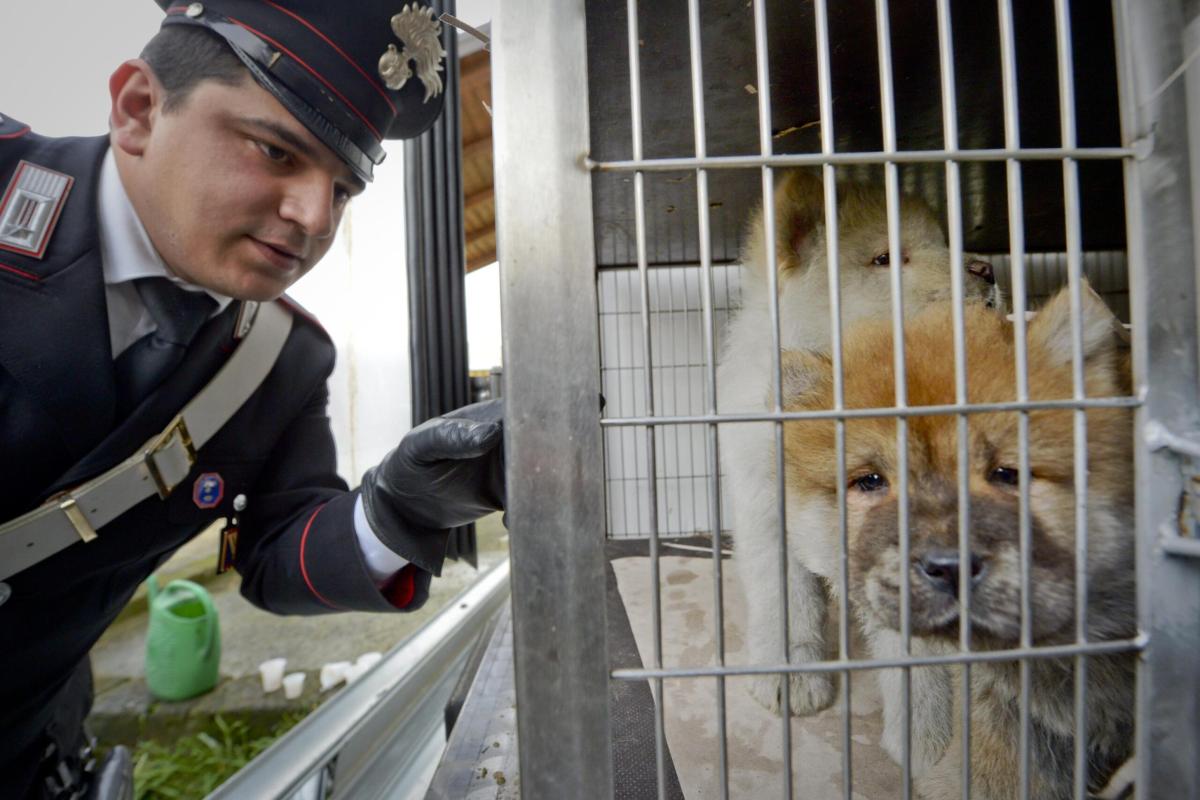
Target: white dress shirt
[(128, 254)]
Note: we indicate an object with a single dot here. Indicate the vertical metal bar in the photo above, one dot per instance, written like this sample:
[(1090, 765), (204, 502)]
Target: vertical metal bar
[(1066, 99), (548, 275), (954, 223), (1153, 40), (1016, 234), (639, 211), (436, 272), (829, 179), (691, 395), (896, 258), (629, 451), (768, 199), (710, 381)]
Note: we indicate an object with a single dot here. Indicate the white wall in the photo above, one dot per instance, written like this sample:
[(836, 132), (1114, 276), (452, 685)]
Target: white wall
[(483, 318), (56, 61), (360, 294)]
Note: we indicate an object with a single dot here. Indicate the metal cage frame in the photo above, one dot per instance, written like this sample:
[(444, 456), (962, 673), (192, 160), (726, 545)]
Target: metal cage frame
[(556, 478)]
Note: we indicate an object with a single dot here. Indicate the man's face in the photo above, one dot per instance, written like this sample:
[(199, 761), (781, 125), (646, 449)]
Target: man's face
[(237, 195)]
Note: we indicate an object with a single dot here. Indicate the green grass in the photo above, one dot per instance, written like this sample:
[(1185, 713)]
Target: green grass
[(193, 766)]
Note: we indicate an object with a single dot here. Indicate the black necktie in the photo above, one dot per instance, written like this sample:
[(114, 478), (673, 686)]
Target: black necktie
[(178, 315)]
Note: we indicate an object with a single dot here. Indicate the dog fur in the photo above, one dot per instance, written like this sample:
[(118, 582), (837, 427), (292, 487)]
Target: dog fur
[(995, 607), (747, 450)]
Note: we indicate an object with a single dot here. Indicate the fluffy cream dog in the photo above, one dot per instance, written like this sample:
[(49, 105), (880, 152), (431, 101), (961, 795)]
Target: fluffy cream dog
[(744, 376), (934, 567)]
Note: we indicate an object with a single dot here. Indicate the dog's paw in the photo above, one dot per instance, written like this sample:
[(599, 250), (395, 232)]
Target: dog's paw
[(930, 738), (808, 693)]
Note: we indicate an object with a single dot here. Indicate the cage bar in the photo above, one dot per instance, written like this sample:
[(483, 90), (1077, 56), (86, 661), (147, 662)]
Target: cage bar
[(766, 147), (1066, 92), (896, 262), (710, 378), (848, 158), (639, 209), (829, 183), (962, 454), (551, 396), (1108, 647), (1152, 42)]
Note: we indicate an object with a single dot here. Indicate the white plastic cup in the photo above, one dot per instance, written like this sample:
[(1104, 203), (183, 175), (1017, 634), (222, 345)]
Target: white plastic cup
[(354, 673), (293, 685), (333, 673), (368, 660), (272, 673)]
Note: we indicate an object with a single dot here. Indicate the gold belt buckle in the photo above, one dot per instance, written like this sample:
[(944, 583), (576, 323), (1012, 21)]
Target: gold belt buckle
[(78, 521), (178, 428)]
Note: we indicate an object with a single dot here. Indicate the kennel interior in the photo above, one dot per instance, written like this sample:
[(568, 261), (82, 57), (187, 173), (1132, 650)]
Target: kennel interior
[(632, 142)]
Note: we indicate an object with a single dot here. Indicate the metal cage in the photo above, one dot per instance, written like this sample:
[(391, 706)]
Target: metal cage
[(630, 143)]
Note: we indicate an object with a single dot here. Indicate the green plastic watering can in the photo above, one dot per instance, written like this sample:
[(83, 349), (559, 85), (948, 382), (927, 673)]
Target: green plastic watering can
[(183, 644)]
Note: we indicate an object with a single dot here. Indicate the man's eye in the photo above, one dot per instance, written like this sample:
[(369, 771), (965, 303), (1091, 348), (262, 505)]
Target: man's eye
[(1005, 475), (341, 196), (274, 153), (873, 482)]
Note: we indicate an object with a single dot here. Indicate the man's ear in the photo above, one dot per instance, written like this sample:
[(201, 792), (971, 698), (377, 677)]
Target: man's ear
[(137, 98)]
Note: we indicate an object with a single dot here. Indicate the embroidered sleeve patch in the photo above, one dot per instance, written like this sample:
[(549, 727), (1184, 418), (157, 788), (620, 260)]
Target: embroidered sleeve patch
[(30, 208)]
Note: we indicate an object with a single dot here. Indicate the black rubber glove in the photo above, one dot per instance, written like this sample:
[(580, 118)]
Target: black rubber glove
[(446, 472)]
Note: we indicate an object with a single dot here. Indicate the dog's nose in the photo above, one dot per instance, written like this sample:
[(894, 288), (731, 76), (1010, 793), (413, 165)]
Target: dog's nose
[(941, 568), (982, 269)]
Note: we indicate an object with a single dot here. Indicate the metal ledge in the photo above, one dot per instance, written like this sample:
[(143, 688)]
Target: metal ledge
[(385, 714)]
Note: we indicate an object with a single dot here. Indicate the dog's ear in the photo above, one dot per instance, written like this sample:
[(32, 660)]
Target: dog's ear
[(799, 208), (804, 372), (1050, 330)]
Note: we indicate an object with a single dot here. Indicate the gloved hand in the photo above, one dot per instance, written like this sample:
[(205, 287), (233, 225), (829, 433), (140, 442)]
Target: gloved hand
[(446, 472)]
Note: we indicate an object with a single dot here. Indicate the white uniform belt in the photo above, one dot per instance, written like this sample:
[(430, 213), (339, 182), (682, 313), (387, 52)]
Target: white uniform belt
[(158, 466)]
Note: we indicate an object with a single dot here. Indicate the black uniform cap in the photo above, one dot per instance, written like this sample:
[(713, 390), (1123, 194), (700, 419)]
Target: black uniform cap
[(321, 60)]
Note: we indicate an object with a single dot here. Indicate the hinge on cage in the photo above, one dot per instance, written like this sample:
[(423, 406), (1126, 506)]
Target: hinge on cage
[(1185, 540)]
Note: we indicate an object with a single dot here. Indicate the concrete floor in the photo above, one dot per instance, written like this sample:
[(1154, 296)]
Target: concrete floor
[(754, 735)]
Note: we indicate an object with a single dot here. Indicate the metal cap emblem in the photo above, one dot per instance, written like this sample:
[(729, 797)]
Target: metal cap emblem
[(418, 31)]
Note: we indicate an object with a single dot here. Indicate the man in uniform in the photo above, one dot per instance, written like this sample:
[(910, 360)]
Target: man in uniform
[(133, 267)]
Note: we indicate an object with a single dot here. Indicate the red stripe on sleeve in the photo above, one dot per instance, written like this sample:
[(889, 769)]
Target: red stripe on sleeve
[(400, 589), (304, 570), (29, 276)]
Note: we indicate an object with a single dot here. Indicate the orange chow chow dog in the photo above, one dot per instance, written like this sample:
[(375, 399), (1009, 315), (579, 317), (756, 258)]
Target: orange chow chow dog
[(935, 571), (744, 384)]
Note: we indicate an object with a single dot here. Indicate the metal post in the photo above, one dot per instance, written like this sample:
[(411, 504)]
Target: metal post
[(437, 268), (551, 388), (1151, 54)]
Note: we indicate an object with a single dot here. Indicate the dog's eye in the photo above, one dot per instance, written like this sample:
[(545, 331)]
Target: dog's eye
[(874, 482), (885, 259), (1005, 475)]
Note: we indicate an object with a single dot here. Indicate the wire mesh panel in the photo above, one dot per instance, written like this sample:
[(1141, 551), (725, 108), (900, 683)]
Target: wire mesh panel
[(953, 510), (1003, 122), (676, 321)]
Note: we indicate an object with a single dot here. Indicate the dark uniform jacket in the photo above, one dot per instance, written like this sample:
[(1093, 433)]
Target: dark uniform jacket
[(297, 551)]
